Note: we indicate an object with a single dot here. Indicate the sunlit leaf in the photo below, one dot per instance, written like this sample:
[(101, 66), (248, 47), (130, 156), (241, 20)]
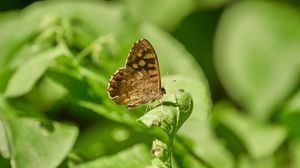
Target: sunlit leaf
[(26, 76), (258, 55), (260, 139), (33, 144), (290, 115), (136, 156)]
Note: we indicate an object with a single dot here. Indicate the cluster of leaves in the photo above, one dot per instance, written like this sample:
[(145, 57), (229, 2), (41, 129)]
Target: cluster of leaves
[(256, 57), (55, 110), (264, 79), (56, 58)]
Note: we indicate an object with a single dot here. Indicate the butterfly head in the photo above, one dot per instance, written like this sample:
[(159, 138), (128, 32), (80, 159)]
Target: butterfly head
[(163, 90)]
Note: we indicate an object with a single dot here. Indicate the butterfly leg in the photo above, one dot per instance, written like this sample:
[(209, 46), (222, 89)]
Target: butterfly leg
[(147, 107), (161, 101)]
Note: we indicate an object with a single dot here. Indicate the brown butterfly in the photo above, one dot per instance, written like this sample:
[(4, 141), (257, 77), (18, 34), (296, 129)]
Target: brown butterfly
[(139, 81)]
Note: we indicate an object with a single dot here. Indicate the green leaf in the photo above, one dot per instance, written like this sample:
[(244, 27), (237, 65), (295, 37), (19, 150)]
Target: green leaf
[(260, 139), (77, 89), (208, 4), (27, 75), (295, 153), (117, 114), (83, 95), (91, 19), (7, 30), (258, 55), (4, 148), (184, 158), (189, 77), (164, 14), (170, 117), (6, 110), (5, 75), (159, 150), (4, 163), (17, 44), (290, 115), (35, 145), (46, 94), (196, 134), (268, 162), (156, 163), (100, 140), (136, 156)]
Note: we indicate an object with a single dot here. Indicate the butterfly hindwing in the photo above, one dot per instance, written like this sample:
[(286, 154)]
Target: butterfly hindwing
[(139, 82)]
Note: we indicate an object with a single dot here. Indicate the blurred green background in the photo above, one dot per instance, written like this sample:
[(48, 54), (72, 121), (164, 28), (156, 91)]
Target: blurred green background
[(240, 60)]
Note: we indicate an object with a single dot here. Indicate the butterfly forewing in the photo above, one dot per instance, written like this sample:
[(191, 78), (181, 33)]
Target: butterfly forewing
[(139, 82)]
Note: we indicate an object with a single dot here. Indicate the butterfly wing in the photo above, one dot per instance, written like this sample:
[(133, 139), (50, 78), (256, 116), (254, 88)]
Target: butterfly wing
[(142, 58), (132, 88), (139, 82)]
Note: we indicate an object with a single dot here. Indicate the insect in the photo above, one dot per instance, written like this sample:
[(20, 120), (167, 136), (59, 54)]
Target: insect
[(139, 81)]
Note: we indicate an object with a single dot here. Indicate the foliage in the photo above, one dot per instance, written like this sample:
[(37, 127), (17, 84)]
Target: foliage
[(57, 56)]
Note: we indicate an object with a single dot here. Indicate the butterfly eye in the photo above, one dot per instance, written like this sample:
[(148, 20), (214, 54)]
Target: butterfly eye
[(143, 52)]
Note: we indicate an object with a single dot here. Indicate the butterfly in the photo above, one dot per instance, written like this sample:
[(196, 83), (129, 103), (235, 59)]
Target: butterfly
[(139, 81)]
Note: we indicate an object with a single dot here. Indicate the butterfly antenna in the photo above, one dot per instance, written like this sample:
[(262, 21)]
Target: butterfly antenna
[(163, 86), (165, 83)]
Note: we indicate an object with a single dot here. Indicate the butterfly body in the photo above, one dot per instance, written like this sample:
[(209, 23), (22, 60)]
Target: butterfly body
[(139, 81)]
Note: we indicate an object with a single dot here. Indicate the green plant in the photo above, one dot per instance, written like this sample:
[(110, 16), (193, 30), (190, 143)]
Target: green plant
[(57, 57), (54, 75)]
